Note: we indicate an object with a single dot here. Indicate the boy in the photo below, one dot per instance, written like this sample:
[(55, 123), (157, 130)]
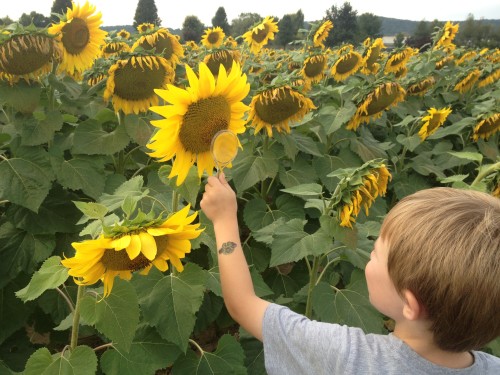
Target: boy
[(435, 270)]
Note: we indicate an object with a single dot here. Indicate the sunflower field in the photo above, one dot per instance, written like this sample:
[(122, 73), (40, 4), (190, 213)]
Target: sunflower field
[(108, 264)]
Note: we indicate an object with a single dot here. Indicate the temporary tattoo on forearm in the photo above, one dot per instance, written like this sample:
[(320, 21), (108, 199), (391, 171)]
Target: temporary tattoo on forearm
[(227, 248)]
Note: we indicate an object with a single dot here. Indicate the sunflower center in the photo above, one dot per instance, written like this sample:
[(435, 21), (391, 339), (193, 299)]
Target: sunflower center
[(281, 106), (24, 54), (136, 82), (75, 36), (213, 38), (202, 121), (347, 63), (490, 125), (261, 34), (314, 67), (374, 54), (215, 60), (383, 98), (119, 261)]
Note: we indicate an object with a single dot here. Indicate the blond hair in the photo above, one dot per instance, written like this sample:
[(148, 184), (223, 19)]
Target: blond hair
[(444, 246)]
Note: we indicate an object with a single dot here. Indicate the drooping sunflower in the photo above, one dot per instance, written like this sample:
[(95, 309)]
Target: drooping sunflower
[(376, 102), (124, 34), (487, 127), (132, 81), (258, 36), (447, 35), (230, 42), (322, 33), (221, 57), (445, 61), (397, 61), (489, 78), (195, 115), (134, 248), (312, 70), (431, 123), (346, 66), (466, 56), (145, 27), (80, 38), (466, 83), (372, 55), (421, 87), (275, 108), (114, 48), (213, 38), (28, 56), (164, 43)]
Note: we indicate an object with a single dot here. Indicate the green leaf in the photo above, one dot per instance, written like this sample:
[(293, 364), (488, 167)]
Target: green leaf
[(81, 361), (248, 169), (455, 129), (81, 172), (227, 359), (189, 189), (300, 172), (305, 190), (130, 188), (405, 184), (257, 214), (306, 144), (254, 356), (326, 165), (91, 139), (455, 178), (367, 147), (472, 156), (49, 276), (148, 353), (35, 131), (23, 96), (343, 115), (91, 209), (115, 316), (170, 302), (138, 129), (261, 288), (349, 306), (411, 142)]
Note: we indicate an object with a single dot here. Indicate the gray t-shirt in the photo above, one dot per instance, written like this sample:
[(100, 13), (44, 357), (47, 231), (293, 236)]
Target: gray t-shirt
[(294, 344)]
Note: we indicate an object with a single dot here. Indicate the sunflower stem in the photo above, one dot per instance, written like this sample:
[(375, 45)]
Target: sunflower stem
[(486, 172), (195, 344), (76, 317), (175, 201), (313, 276), (66, 298)]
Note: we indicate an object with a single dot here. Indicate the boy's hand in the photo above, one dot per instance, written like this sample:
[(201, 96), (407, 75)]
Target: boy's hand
[(219, 200)]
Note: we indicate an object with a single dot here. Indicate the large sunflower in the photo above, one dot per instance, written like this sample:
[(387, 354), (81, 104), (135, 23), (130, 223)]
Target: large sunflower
[(275, 108), (28, 55), (164, 43), (312, 70), (221, 57), (80, 38), (195, 115), (487, 127), (376, 102), (347, 65), (447, 35), (131, 82), (322, 33), (489, 78), (258, 36), (466, 83), (421, 87), (132, 249), (397, 61), (434, 119), (213, 38), (114, 48), (372, 55)]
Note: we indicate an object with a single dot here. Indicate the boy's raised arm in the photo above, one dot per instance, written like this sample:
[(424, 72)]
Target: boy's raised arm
[(219, 204)]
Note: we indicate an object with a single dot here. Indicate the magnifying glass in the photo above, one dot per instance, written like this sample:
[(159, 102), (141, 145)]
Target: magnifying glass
[(224, 148)]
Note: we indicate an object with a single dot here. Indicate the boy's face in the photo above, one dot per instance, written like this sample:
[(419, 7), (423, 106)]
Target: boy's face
[(383, 294)]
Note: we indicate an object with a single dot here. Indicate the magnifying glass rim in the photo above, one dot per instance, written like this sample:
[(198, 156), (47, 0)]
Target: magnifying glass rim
[(212, 143)]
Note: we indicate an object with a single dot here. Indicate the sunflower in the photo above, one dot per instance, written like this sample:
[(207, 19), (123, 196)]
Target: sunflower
[(447, 35), (275, 108), (94, 79), (221, 57), (164, 43), (213, 37), (230, 42), (80, 38), (372, 55), (322, 33), (466, 56), (487, 127), (466, 83), (132, 249), (28, 56), (145, 27), (434, 119), (312, 70), (489, 79), (258, 36), (346, 66), (421, 87), (445, 61), (373, 183), (124, 34), (132, 81), (382, 98), (114, 48), (397, 61), (195, 115)]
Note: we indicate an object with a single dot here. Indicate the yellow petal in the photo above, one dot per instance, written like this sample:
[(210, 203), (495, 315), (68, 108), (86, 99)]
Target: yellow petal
[(148, 245), (134, 248)]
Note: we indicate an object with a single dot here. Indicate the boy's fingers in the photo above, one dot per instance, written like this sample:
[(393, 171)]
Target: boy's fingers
[(222, 178)]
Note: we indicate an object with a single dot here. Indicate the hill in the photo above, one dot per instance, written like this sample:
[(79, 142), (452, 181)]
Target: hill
[(392, 26)]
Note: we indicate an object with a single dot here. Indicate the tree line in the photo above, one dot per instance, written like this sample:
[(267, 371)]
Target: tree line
[(349, 27)]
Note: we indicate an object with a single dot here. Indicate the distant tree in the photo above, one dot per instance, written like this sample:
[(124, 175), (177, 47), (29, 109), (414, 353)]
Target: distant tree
[(192, 29), (220, 19), (6, 21), (39, 20), (421, 36), (369, 26), (298, 19), (399, 40), (287, 29), (243, 23), (59, 7), (345, 25), (146, 12)]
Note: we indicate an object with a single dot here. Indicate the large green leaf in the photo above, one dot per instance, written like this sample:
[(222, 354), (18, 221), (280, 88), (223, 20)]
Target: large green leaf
[(84, 173), (305, 190), (300, 172), (148, 353), (257, 214), (227, 359), (306, 144), (23, 96), (138, 129), (249, 169), (91, 139), (115, 316), (40, 128), (188, 190), (254, 356), (81, 361), (349, 306), (455, 128), (170, 302), (49, 276), (130, 188)]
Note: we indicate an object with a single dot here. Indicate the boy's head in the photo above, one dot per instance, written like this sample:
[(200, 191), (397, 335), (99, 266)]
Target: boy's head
[(444, 247)]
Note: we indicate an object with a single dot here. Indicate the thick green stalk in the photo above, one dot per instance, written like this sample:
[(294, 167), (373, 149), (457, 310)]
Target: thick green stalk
[(313, 276), (485, 173), (76, 317)]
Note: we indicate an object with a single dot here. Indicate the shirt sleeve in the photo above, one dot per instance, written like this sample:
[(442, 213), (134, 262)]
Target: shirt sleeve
[(294, 344)]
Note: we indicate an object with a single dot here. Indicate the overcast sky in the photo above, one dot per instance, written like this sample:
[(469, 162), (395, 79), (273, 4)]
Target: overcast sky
[(173, 12)]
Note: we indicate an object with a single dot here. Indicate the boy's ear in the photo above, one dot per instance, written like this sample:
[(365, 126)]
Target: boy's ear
[(412, 309)]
